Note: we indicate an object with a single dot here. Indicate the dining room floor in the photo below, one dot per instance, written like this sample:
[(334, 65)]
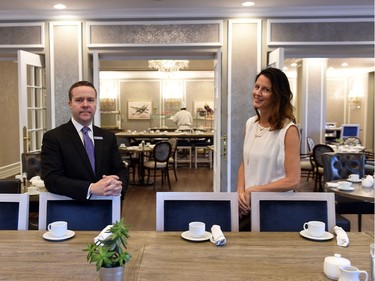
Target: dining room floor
[(139, 205)]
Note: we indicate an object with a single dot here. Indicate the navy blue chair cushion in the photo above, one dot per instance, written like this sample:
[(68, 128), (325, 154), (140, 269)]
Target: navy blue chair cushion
[(290, 215), (81, 215), (10, 186), (178, 214), (9, 215)]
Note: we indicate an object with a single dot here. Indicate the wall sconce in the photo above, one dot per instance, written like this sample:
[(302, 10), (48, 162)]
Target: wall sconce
[(355, 101)]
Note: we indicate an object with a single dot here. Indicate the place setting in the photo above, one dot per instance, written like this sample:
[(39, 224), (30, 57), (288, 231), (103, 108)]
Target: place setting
[(197, 233), (58, 231), (315, 230), (341, 185), (354, 178)]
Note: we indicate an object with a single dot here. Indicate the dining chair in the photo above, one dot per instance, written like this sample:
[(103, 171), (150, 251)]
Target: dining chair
[(340, 166), (370, 163), (31, 164), (14, 211), (175, 210), (173, 158), (318, 150), (93, 214), (307, 166), (127, 157), (159, 162), (288, 211), (310, 143), (10, 186)]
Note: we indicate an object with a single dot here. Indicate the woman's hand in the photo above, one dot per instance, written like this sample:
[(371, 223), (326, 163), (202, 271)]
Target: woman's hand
[(243, 203)]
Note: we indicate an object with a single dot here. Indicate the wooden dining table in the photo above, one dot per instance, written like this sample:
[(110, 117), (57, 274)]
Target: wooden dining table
[(365, 194), (25, 255), (165, 135), (141, 152)]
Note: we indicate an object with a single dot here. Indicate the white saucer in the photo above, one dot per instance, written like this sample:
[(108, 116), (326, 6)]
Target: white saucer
[(33, 193), (186, 235), (332, 184), (48, 236), (358, 180), (350, 188), (326, 236)]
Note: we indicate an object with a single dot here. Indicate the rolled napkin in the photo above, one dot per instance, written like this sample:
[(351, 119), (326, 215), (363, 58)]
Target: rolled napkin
[(342, 237), (217, 236), (103, 234)]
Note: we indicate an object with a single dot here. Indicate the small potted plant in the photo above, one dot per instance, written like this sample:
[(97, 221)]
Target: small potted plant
[(110, 253)]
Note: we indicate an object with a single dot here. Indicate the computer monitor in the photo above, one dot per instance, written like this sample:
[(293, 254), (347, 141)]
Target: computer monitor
[(349, 130)]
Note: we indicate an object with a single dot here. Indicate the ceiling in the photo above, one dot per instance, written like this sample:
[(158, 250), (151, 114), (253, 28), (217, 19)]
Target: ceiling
[(170, 9), (130, 9)]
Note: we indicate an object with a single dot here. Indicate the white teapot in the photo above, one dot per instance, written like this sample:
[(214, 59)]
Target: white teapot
[(368, 181), (351, 273), (332, 266), (37, 181)]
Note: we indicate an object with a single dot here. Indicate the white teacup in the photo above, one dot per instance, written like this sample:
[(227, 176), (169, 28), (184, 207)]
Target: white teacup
[(58, 228), (344, 184), (197, 229), (32, 189), (315, 228), (354, 177)]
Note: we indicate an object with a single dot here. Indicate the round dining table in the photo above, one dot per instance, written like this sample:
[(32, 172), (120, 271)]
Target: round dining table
[(141, 151), (357, 192)]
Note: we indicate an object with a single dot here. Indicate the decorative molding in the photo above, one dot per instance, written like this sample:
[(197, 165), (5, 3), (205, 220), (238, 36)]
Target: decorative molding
[(300, 32), (208, 33), (10, 170), (22, 35)]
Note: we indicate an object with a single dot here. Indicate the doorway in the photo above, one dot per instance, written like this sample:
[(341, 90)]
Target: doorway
[(206, 62)]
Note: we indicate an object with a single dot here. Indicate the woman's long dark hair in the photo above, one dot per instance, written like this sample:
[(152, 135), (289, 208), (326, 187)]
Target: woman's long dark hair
[(281, 97)]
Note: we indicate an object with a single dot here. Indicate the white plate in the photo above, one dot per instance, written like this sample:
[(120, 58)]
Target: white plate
[(358, 180), (49, 236), (332, 184), (186, 235), (326, 236), (350, 188)]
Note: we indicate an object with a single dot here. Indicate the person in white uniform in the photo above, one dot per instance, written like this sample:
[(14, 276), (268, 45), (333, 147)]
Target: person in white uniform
[(183, 118), (271, 150)]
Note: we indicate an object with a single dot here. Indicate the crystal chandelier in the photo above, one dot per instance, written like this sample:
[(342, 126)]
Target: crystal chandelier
[(168, 65)]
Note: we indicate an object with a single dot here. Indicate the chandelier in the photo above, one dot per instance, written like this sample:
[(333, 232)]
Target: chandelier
[(168, 65)]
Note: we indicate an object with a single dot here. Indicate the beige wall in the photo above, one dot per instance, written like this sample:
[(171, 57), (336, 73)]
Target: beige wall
[(9, 134), (144, 90)]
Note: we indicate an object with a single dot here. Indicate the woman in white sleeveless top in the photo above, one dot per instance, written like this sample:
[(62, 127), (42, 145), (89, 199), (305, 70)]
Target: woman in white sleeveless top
[(271, 151)]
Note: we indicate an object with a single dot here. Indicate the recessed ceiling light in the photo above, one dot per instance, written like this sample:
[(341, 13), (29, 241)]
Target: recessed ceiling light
[(344, 64), (59, 6), (293, 64), (248, 4)]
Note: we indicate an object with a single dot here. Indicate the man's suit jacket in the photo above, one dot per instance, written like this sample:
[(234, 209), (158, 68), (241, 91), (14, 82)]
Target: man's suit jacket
[(66, 168)]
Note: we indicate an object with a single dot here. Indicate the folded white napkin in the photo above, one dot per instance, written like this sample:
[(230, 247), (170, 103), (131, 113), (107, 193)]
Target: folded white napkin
[(342, 237), (217, 236), (103, 234)]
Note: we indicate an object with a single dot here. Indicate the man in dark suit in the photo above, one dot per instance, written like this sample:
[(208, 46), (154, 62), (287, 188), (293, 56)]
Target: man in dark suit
[(66, 167)]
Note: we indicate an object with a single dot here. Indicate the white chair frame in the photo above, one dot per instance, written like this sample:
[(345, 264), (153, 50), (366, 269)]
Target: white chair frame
[(23, 208), (44, 197), (161, 197), (256, 197)]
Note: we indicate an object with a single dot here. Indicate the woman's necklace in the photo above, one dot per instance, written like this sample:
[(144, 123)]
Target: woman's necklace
[(260, 131)]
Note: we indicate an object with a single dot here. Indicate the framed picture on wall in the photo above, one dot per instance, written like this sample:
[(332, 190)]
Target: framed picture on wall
[(139, 109), (203, 109)]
